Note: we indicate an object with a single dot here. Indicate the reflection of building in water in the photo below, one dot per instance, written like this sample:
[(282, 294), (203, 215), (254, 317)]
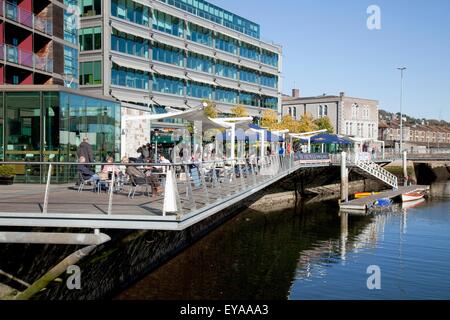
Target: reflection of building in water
[(313, 263)]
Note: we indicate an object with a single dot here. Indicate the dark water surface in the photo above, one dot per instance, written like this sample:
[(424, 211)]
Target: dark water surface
[(313, 252)]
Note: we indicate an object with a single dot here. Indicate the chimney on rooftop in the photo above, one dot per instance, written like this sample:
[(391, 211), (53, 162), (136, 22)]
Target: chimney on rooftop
[(296, 93)]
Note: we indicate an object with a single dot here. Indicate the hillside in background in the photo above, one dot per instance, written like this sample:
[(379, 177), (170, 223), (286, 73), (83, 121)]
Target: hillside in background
[(389, 116)]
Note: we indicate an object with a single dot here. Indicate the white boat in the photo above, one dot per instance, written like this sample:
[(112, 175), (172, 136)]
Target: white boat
[(413, 204), (412, 196)]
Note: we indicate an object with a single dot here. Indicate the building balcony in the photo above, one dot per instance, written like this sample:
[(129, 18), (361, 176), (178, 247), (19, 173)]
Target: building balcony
[(24, 17), (15, 55)]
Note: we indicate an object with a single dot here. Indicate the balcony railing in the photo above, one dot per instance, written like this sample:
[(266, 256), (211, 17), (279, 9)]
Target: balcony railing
[(21, 57), (25, 17)]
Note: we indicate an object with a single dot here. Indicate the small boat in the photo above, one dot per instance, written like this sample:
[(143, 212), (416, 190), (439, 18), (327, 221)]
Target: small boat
[(413, 204), (360, 195), (412, 196)]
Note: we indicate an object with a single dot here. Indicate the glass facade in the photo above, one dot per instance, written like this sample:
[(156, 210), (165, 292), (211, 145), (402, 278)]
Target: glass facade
[(90, 73), (199, 62), (270, 58), (166, 84), (131, 78), (129, 44), (248, 75), (200, 35), (48, 126), (269, 103), (199, 90), (90, 7), (225, 69), (249, 99), (91, 39), (226, 44), (71, 65), (166, 23), (269, 80), (70, 27), (218, 15), (131, 11), (226, 95), (249, 51), (168, 54)]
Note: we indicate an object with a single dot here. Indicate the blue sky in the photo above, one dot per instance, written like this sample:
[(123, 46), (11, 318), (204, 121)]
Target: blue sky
[(327, 48)]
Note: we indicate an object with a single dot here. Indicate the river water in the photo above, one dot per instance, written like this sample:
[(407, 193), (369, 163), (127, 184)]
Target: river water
[(314, 252)]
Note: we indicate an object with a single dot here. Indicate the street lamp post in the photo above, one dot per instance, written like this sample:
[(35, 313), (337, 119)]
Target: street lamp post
[(401, 107)]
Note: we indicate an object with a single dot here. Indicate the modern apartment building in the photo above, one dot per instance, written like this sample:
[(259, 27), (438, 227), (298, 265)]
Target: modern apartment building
[(349, 116), (157, 54), (38, 42)]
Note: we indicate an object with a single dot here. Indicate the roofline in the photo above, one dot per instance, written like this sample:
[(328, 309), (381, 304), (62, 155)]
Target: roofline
[(292, 100)]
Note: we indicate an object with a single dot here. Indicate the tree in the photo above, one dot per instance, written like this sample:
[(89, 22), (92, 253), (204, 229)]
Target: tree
[(287, 122), (211, 109), (324, 123), (269, 119), (306, 123), (239, 111)]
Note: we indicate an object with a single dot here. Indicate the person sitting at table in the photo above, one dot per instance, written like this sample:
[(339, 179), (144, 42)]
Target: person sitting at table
[(110, 167), (149, 173), (134, 172), (86, 172)]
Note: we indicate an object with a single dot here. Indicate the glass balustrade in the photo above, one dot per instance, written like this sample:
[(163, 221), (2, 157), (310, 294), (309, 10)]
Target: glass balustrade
[(25, 17), (15, 55)]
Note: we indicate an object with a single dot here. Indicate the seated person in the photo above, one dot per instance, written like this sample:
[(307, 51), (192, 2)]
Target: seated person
[(132, 171), (87, 173), (110, 167)]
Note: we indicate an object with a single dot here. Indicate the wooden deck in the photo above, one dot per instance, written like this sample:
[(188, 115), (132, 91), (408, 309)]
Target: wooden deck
[(362, 204)]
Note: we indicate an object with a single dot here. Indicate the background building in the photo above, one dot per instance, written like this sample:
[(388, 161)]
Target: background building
[(417, 135), (158, 54), (349, 116), (38, 42)]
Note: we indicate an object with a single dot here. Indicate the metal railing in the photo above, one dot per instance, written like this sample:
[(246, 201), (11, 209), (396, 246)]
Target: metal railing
[(186, 187), (376, 171)]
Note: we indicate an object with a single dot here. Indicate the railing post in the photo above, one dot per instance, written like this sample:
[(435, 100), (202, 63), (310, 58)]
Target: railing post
[(344, 177), (253, 173), (241, 176), (111, 191), (47, 186), (203, 181), (189, 192)]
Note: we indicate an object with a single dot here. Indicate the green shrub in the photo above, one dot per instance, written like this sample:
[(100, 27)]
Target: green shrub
[(7, 170)]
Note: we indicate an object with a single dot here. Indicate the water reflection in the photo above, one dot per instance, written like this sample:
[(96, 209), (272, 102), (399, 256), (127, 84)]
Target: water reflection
[(312, 252), (413, 272)]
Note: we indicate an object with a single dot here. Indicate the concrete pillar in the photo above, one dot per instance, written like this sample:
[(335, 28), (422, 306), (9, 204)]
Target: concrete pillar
[(344, 177), (405, 167)]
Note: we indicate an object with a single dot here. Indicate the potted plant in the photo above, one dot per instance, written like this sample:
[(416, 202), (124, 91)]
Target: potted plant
[(7, 174)]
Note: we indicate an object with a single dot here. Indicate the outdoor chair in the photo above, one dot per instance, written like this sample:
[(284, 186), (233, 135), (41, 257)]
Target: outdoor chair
[(82, 182), (137, 182)]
